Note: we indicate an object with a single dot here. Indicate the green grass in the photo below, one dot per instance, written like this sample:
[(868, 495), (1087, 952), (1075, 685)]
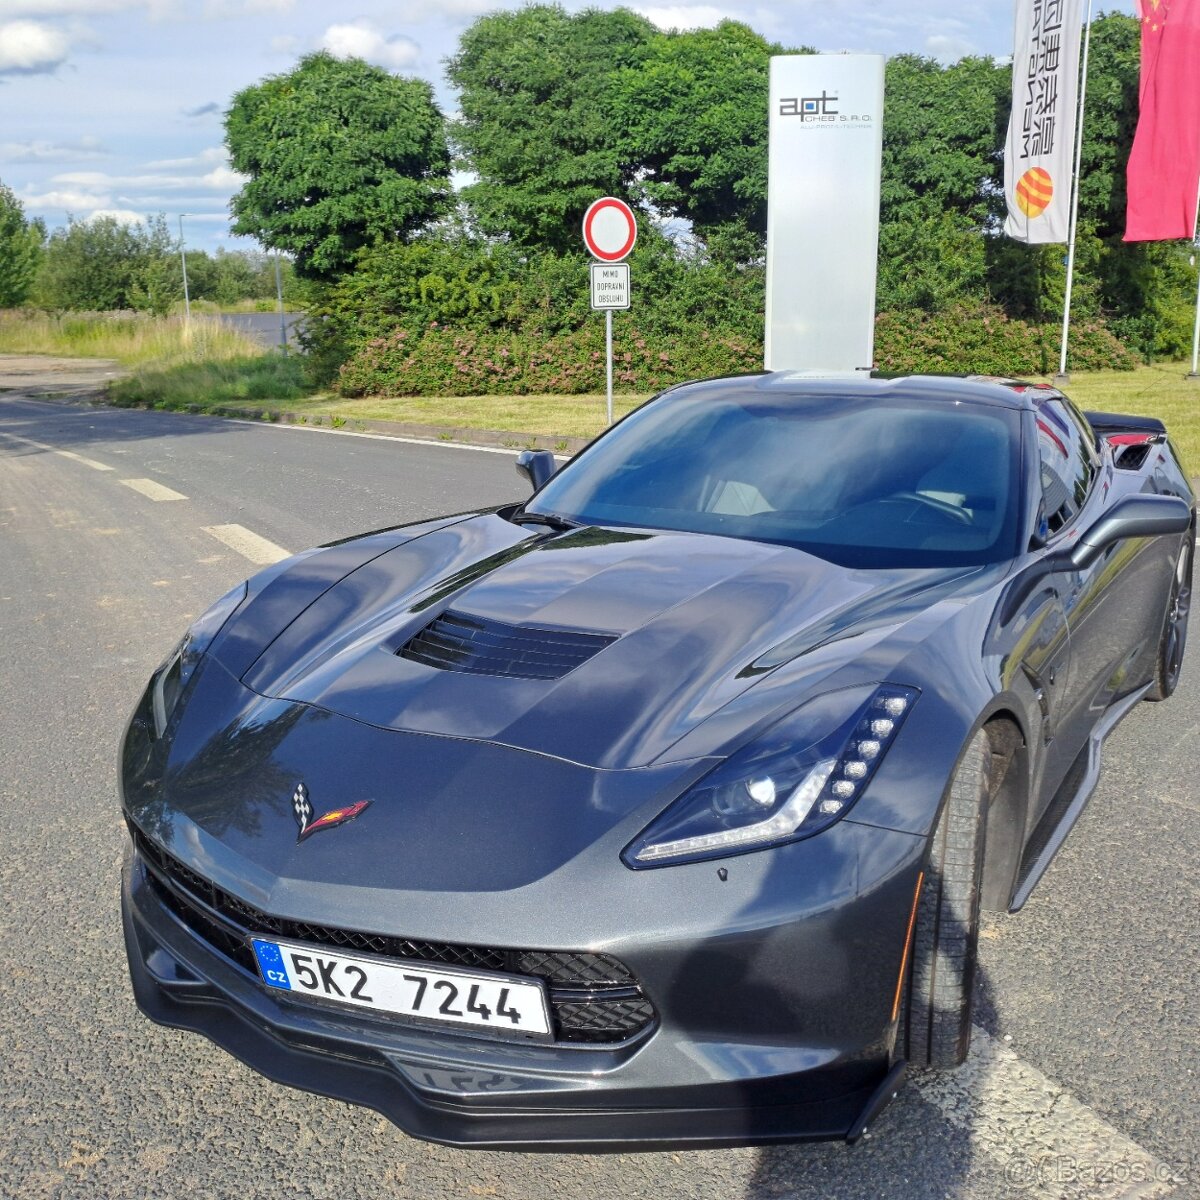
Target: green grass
[(545, 416), (132, 339), (1159, 391), (269, 380)]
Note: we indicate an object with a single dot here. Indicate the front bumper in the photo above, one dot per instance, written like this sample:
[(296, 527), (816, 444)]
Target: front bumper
[(725, 1070)]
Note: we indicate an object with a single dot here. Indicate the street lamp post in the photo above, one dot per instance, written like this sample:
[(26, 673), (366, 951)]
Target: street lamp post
[(187, 302), (279, 294)]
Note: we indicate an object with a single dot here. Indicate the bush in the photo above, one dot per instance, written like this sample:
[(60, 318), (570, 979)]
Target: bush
[(441, 361), (983, 340), (452, 362)]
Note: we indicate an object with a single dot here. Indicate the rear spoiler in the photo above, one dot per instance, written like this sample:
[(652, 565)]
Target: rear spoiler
[(1105, 423)]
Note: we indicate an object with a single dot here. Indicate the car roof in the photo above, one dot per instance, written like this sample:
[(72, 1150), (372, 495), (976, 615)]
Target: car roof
[(979, 389)]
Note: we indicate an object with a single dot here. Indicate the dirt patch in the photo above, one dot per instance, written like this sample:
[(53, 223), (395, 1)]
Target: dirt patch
[(42, 373)]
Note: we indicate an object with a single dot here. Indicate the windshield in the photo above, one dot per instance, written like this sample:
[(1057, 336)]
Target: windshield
[(863, 482)]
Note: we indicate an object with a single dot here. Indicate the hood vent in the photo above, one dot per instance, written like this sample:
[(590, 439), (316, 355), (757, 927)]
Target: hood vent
[(477, 646)]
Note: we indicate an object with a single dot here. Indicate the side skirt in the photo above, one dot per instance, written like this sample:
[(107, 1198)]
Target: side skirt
[(1069, 802)]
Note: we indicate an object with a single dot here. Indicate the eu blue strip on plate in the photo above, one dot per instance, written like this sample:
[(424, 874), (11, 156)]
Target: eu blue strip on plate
[(270, 963)]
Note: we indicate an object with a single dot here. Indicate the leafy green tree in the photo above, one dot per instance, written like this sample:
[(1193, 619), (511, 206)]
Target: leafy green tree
[(340, 155), (941, 189), (105, 264), (20, 249), (538, 90), (693, 115)]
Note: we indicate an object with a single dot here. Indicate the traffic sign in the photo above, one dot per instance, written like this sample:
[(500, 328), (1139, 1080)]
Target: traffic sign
[(609, 229), (610, 285)]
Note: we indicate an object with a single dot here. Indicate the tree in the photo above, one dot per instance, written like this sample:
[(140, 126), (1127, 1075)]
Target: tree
[(539, 124), (105, 264), (20, 249), (340, 155), (693, 114)]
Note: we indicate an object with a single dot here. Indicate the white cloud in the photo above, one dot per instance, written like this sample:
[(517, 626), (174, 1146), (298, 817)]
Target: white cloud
[(361, 39), (126, 216), (949, 49), (31, 47), (212, 154), (65, 199), (220, 178), (83, 150), (223, 179), (685, 16)]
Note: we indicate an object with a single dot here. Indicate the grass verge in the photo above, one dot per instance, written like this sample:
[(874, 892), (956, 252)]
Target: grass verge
[(197, 386), (133, 339), (564, 416), (1158, 391)]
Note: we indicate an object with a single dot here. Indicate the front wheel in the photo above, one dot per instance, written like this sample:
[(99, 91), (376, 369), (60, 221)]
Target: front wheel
[(936, 1018), (1173, 642)]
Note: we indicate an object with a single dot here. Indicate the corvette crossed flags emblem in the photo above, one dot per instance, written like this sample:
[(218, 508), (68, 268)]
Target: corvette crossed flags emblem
[(302, 810)]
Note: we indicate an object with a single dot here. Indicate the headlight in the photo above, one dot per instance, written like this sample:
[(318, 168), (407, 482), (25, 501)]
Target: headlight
[(800, 777), (171, 678)]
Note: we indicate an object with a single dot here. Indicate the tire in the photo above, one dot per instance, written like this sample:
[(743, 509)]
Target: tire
[(935, 1023), (1169, 661)]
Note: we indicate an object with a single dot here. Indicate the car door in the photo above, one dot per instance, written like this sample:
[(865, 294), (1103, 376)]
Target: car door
[(1110, 605)]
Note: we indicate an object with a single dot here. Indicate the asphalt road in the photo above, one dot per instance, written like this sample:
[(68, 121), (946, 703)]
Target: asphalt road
[(266, 327), (1084, 1079)]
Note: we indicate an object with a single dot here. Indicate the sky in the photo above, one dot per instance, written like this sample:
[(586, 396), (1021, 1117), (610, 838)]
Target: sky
[(115, 106)]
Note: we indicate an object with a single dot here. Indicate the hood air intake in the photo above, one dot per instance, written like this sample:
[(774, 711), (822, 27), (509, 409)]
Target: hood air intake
[(477, 646)]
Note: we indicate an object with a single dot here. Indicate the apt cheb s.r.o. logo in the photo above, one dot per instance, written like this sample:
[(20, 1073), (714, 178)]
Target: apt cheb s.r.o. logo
[(820, 110)]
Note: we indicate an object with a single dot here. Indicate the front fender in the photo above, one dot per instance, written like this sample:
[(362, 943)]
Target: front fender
[(912, 782)]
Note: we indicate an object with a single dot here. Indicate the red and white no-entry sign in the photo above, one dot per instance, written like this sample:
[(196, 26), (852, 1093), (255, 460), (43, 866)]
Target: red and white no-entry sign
[(609, 229)]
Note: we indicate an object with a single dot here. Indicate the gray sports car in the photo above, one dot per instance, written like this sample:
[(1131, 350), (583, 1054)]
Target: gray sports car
[(657, 810)]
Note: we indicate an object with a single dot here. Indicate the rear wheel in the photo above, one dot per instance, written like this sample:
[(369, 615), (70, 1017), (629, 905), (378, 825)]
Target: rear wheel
[(936, 1019), (1174, 635)]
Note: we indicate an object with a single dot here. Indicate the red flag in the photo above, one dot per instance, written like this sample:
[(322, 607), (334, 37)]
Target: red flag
[(1164, 165)]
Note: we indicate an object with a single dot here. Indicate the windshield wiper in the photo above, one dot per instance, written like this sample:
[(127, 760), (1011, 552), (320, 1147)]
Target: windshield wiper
[(553, 520)]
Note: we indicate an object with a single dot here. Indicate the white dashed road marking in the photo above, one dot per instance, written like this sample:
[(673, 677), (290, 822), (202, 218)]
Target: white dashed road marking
[(153, 490), (1046, 1141), (87, 462), (247, 544)]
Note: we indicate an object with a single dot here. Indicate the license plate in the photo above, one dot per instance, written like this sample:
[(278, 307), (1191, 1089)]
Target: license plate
[(501, 1003)]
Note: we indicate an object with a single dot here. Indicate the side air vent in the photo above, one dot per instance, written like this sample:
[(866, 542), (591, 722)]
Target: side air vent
[(453, 642)]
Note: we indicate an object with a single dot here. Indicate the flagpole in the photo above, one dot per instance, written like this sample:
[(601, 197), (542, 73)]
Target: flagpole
[(1062, 375), (1195, 371)]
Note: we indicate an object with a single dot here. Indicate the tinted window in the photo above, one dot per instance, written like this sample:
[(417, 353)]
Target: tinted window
[(862, 482), (1068, 464)]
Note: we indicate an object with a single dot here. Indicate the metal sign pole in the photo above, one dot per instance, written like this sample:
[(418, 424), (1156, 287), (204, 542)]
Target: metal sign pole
[(1062, 375), (608, 357)]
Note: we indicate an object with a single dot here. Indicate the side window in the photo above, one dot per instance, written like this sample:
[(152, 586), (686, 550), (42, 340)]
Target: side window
[(1068, 463)]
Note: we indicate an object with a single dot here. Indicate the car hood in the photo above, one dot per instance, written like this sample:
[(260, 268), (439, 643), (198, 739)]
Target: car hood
[(686, 624)]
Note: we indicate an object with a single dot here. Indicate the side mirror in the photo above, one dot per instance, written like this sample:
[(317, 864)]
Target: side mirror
[(1135, 516), (536, 465)]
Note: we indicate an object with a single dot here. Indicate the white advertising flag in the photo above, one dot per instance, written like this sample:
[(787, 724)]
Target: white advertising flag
[(826, 137), (1041, 129)]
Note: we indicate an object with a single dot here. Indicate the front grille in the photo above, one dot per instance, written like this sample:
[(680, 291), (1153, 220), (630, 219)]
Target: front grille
[(594, 998), (478, 646)]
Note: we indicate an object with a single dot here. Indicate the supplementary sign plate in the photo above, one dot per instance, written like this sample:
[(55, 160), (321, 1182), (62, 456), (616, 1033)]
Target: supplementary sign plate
[(610, 285)]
